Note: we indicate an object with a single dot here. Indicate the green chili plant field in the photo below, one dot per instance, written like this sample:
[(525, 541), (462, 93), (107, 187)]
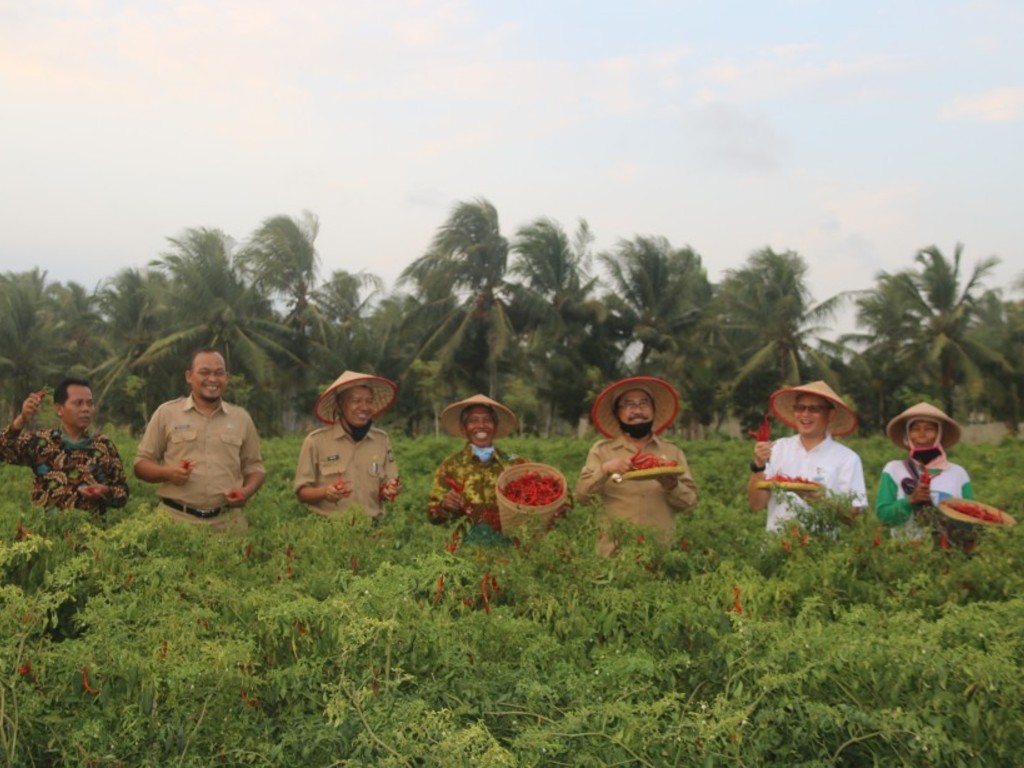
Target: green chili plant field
[(308, 642)]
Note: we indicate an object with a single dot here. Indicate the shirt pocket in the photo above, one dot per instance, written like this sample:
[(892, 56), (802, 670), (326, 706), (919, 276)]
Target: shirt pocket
[(330, 467), (230, 438), (183, 436)]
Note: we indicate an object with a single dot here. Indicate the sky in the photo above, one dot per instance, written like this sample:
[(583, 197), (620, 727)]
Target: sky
[(854, 134)]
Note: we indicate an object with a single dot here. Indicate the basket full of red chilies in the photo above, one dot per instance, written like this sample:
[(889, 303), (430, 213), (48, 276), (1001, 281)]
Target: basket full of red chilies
[(530, 490)]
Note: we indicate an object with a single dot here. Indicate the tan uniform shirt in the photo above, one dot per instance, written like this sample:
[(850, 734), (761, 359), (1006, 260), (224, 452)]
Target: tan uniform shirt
[(329, 454), (640, 502), (223, 448)]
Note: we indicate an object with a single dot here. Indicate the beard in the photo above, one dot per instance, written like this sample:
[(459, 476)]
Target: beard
[(636, 430)]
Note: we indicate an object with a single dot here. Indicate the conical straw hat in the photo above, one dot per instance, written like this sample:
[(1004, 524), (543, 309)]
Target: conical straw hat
[(781, 403), (384, 393), (897, 428), (451, 417), (662, 394)]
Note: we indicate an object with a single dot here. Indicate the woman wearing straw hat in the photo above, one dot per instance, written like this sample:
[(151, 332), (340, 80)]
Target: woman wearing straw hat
[(349, 462), (906, 499), (817, 414), (464, 483), (631, 414)]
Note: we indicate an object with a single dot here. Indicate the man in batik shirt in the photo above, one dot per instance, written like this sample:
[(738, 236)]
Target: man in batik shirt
[(73, 468)]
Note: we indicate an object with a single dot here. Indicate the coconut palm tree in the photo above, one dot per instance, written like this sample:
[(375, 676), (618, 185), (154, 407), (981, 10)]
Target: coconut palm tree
[(554, 304), (943, 304), (657, 293), (28, 333), (213, 305), (460, 282), (770, 321)]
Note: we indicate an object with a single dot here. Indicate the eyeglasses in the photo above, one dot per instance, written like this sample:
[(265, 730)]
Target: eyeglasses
[(814, 410), (634, 405)]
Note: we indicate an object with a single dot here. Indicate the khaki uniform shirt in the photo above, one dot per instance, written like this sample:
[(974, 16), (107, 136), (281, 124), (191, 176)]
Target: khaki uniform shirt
[(329, 454), (223, 447), (641, 502)]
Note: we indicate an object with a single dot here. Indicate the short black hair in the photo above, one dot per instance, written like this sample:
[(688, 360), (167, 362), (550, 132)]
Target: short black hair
[(60, 394), (202, 351)]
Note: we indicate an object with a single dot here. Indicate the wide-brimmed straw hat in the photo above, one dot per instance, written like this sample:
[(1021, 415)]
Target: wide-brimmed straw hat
[(662, 394), (451, 417), (781, 403), (384, 393), (897, 428)]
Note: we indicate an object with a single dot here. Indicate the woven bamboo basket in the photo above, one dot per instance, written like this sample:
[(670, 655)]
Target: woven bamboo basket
[(515, 515)]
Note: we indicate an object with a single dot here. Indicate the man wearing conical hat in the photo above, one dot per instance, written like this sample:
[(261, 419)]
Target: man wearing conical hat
[(911, 489), (464, 483), (349, 462), (817, 414), (631, 414)]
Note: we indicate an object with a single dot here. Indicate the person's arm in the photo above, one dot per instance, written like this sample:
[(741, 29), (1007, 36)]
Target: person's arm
[(114, 486), (890, 509), (12, 449), (598, 471), (758, 497), (236, 497), (445, 501), (681, 490), (151, 471)]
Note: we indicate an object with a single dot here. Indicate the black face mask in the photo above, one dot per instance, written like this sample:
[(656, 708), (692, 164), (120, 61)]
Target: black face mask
[(358, 433), (925, 455), (636, 431)]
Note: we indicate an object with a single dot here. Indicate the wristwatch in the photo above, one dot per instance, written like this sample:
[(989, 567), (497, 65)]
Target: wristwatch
[(755, 469)]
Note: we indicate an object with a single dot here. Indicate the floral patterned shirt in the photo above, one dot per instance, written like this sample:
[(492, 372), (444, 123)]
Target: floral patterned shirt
[(62, 466), (477, 479)]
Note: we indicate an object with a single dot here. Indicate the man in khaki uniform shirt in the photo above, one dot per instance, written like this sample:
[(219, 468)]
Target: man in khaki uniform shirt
[(632, 413), (205, 453), (349, 462)]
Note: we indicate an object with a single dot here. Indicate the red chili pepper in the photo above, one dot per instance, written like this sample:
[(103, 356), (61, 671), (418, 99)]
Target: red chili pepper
[(483, 592), (355, 564), (453, 543), (973, 510), (454, 484), (342, 485), (943, 541), (782, 478), (785, 545), (736, 606), (85, 682), (187, 465), (440, 587), (41, 394), (926, 479), (26, 668), (533, 489), (764, 432)]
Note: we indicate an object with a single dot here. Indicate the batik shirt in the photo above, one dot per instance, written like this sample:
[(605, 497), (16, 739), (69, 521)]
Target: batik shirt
[(61, 466), (476, 479)]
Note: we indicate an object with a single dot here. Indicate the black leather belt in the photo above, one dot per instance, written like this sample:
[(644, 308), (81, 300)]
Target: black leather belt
[(202, 514)]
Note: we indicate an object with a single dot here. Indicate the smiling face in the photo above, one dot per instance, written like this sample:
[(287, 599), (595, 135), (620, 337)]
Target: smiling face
[(356, 404), (478, 425), (813, 416), (208, 377), (922, 433), (634, 406), (77, 411)]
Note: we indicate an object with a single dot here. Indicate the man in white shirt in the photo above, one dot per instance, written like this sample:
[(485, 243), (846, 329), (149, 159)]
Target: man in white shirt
[(817, 414)]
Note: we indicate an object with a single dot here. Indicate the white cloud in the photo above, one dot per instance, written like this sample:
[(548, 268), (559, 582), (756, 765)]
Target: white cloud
[(997, 105)]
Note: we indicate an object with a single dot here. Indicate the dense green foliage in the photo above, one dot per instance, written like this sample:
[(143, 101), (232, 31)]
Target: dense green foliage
[(313, 642)]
